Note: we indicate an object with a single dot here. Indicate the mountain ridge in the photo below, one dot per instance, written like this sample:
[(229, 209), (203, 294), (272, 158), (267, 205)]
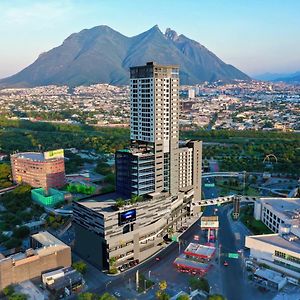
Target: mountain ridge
[(104, 55)]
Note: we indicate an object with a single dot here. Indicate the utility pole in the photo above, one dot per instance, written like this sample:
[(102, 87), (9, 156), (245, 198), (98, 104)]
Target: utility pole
[(137, 279), (219, 254), (244, 185)]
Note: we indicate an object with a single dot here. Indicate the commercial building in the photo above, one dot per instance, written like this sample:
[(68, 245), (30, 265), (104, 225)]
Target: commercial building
[(47, 253), (62, 282), (195, 258), (280, 251), (41, 170), (162, 175), (269, 279), (276, 211)]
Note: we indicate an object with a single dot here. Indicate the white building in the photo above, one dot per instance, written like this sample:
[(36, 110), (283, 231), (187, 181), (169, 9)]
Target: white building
[(281, 252), (276, 211)]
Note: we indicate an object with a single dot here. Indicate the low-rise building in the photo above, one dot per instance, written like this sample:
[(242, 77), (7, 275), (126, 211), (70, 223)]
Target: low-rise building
[(269, 279), (62, 282), (47, 253), (280, 251), (41, 170)]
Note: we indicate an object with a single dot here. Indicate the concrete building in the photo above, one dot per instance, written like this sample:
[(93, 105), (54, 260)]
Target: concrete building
[(47, 253), (40, 170), (269, 279), (280, 251), (163, 172), (276, 211)]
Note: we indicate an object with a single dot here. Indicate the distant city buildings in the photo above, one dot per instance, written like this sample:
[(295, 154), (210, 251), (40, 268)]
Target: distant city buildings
[(46, 253), (41, 170), (158, 178), (240, 105)]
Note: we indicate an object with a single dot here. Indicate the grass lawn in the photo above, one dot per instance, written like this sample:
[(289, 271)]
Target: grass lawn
[(257, 227)]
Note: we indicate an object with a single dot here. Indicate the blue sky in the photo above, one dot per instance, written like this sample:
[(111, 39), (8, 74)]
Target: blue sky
[(256, 36)]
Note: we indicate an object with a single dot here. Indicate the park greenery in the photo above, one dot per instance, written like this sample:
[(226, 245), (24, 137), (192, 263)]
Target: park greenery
[(10, 294), (18, 209), (183, 297), (112, 266), (200, 283), (256, 226), (236, 150), (144, 283), (161, 292), (5, 175), (216, 297), (235, 186), (80, 266), (81, 189), (55, 221), (93, 296)]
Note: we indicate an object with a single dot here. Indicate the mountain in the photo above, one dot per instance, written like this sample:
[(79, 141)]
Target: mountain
[(291, 78), (103, 55), (269, 76), (288, 78)]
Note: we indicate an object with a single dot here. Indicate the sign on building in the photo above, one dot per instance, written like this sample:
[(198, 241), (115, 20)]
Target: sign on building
[(54, 154), (210, 222)]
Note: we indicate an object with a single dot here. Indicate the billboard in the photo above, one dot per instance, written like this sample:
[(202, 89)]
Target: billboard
[(210, 222), (127, 216), (54, 154)]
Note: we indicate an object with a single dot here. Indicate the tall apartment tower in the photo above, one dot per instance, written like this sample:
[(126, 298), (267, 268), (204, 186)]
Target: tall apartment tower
[(157, 166), (154, 131)]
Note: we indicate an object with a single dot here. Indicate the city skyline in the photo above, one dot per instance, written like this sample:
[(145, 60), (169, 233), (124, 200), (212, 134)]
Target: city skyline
[(256, 37)]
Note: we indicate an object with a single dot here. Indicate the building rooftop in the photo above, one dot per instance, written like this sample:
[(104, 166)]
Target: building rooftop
[(279, 241), (47, 239), (199, 250), (101, 203), (35, 156), (270, 275), (289, 207), (183, 262)]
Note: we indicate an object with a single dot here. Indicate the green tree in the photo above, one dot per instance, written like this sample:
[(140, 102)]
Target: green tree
[(163, 285), (216, 297), (80, 266), (199, 283), (17, 296), (87, 296), (21, 232), (183, 297), (9, 290), (161, 295), (120, 202), (107, 296)]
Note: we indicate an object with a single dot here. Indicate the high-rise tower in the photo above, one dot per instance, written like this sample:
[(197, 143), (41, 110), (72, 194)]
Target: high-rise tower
[(152, 162), (157, 166), (154, 132)]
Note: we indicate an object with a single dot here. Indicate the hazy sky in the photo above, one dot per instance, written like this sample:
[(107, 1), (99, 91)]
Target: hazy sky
[(256, 36)]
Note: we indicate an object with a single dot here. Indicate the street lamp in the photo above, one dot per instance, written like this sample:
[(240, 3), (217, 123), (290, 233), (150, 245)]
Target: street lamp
[(107, 283)]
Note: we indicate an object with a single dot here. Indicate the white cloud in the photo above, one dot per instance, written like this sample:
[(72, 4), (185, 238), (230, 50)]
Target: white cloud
[(37, 12)]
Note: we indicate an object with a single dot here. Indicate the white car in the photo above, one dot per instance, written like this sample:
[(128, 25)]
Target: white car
[(117, 294)]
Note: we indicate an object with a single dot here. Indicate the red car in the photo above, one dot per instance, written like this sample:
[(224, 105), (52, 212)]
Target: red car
[(225, 263)]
